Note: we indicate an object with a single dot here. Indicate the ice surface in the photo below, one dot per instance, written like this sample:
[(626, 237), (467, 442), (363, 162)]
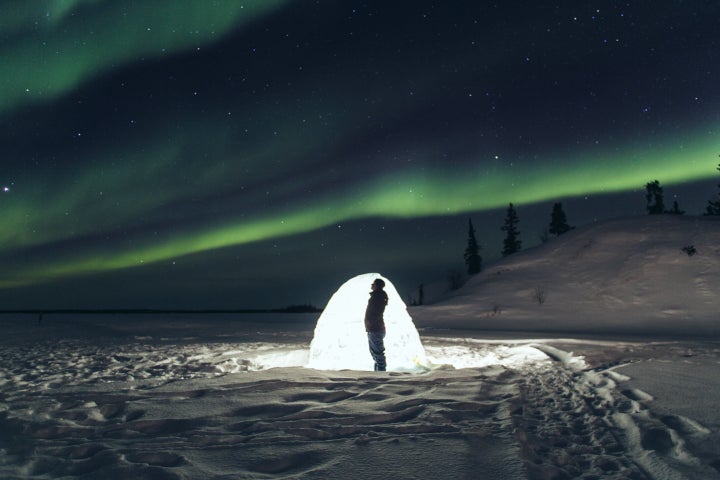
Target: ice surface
[(340, 341)]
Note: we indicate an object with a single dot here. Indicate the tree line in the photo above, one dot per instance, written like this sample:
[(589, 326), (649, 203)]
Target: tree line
[(655, 204)]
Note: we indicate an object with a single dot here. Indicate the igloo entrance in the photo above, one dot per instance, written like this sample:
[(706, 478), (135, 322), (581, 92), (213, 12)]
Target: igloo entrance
[(340, 341)]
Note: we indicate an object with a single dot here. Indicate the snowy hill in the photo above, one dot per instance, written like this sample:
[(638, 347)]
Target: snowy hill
[(625, 276)]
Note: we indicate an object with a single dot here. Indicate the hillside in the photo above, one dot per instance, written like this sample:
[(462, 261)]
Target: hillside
[(625, 276)]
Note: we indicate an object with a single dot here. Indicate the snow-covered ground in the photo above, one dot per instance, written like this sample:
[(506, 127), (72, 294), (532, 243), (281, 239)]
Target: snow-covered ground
[(625, 276), (614, 378)]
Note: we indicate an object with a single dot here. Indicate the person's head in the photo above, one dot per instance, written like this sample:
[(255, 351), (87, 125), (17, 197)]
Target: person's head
[(378, 284)]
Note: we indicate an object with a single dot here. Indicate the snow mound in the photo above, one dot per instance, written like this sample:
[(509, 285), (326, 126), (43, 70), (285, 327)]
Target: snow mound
[(657, 274)]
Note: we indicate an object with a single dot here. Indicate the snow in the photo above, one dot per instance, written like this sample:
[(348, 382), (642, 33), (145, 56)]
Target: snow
[(613, 376), (628, 276)]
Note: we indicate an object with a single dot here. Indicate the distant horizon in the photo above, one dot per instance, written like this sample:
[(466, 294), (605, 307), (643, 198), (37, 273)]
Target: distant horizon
[(312, 307), (49, 311)]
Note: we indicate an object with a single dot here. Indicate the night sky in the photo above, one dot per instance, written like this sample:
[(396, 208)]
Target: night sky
[(255, 154)]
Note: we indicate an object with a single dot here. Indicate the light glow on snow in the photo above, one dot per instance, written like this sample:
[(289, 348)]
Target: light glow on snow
[(465, 355), (340, 340), (191, 361)]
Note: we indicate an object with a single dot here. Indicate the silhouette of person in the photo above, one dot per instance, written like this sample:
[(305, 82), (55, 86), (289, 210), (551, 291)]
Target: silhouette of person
[(375, 323)]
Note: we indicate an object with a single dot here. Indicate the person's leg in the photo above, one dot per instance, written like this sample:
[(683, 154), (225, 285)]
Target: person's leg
[(377, 350)]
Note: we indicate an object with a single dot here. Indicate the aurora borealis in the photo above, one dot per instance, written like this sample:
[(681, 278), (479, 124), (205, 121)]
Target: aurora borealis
[(253, 154)]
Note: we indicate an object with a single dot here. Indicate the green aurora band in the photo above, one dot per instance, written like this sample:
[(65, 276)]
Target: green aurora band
[(400, 195), (71, 42)]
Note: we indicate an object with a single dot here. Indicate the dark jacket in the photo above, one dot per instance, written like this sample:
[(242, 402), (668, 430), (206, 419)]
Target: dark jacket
[(374, 313)]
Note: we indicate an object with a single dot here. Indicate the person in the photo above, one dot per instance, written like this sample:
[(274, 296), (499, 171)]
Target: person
[(375, 323)]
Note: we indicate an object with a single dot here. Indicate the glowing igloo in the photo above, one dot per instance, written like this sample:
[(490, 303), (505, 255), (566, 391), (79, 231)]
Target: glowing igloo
[(340, 341)]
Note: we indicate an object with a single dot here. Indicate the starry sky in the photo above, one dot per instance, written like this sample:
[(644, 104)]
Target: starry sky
[(257, 154)]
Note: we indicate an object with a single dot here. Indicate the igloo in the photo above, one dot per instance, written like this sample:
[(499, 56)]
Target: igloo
[(340, 341)]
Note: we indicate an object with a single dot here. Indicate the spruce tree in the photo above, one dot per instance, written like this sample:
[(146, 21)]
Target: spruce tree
[(558, 220), (676, 209), (713, 207), (512, 242), (473, 261), (654, 197)]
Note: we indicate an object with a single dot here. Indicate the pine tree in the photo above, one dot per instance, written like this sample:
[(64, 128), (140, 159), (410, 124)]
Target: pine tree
[(676, 209), (713, 207), (512, 242), (558, 220), (472, 255), (654, 197)]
